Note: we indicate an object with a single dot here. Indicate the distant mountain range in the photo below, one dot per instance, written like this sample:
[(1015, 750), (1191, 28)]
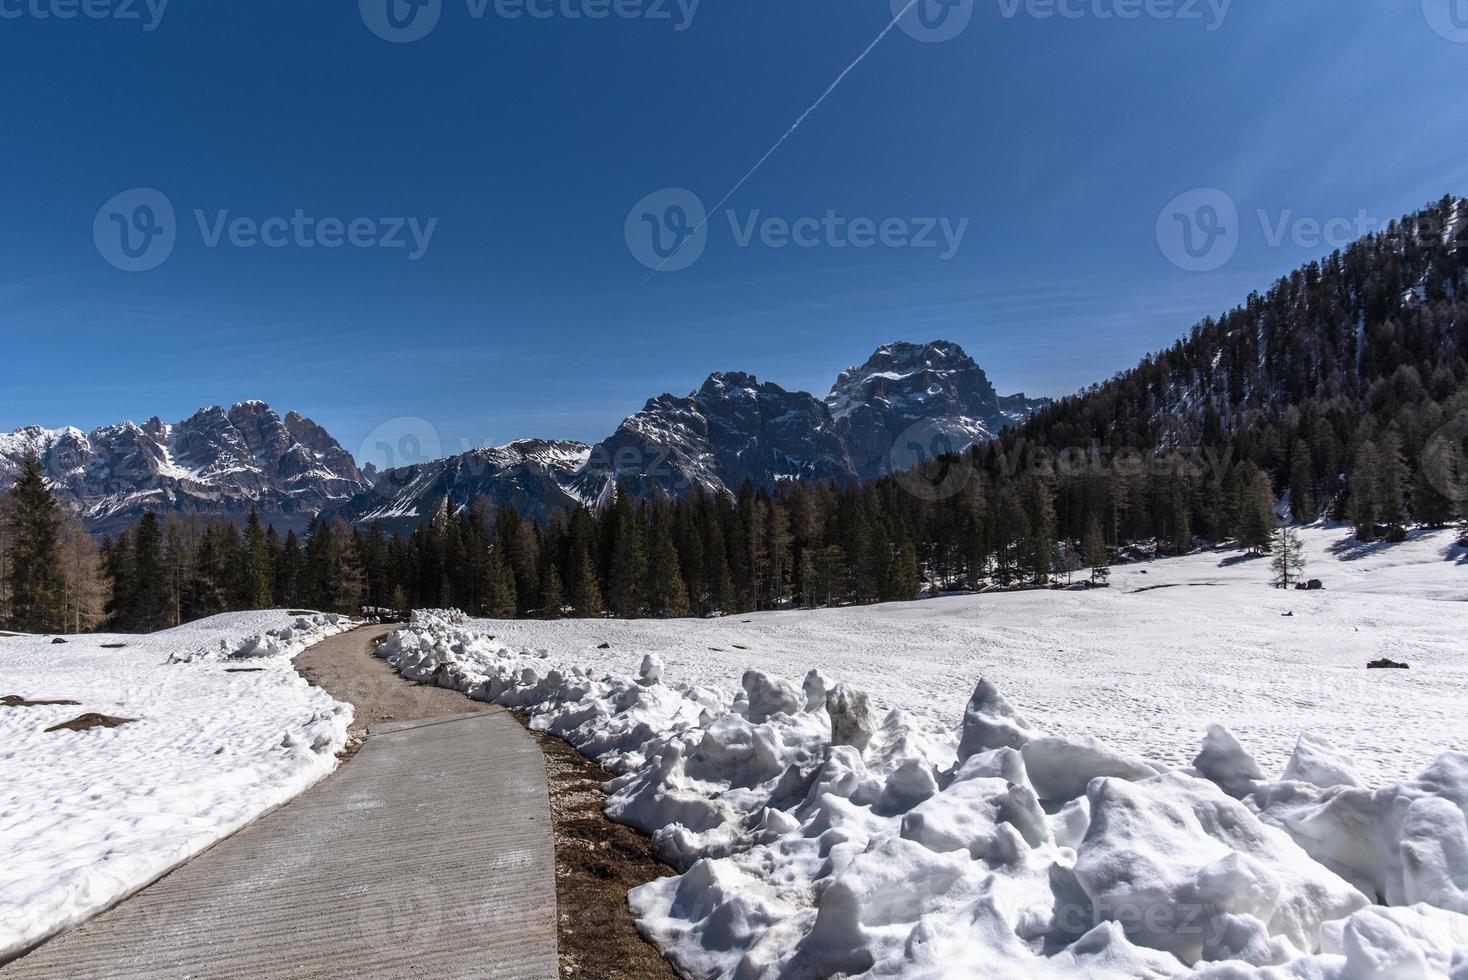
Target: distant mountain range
[(215, 462), (906, 399)]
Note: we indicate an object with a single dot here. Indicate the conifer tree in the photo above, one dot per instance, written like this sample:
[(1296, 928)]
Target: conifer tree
[(150, 602), (1363, 509), (552, 596), (587, 600), (257, 588), (34, 562)]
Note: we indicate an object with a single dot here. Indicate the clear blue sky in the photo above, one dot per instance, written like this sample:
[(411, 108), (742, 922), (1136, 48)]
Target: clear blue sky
[(1059, 139)]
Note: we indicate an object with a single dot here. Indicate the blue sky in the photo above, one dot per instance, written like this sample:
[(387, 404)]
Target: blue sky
[(526, 142)]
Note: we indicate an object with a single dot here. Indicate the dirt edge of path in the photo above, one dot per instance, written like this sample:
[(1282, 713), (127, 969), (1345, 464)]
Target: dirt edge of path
[(597, 862)]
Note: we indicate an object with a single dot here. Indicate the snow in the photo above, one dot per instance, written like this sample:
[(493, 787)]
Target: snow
[(87, 818), (1041, 784)]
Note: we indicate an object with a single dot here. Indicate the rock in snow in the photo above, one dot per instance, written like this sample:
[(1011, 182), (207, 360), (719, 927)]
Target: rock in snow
[(815, 842)]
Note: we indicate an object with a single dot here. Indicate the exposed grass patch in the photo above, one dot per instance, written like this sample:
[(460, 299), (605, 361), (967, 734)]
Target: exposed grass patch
[(89, 721)]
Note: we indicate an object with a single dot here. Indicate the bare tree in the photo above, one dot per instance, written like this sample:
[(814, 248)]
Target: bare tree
[(1288, 562), (84, 587)]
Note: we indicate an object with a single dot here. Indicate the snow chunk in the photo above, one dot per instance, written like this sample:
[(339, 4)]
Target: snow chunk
[(1225, 762), (990, 723), (1184, 868), (1319, 762), (852, 720), (1060, 767)]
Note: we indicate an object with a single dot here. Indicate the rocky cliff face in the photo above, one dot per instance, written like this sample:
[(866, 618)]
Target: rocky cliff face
[(217, 462)]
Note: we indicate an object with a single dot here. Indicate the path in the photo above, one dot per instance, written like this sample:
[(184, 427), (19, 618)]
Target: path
[(429, 854)]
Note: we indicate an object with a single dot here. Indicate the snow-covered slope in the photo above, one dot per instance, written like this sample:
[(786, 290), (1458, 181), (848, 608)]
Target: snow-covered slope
[(218, 462), (1188, 774), (87, 817)]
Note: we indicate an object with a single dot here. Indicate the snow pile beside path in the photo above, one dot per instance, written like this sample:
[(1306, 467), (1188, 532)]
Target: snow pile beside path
[(282, 641), (816, 839), (88, 817)]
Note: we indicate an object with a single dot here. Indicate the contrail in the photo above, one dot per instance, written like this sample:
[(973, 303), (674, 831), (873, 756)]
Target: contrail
[(788, 133)]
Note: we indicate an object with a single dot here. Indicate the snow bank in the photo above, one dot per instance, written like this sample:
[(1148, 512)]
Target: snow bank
[(815, 839), (221, 729)]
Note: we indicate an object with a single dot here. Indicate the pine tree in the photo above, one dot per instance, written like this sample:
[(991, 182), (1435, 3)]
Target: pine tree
[(151, 606), (257, 579), (552, 596), (503, 599), (1303, 506), (34, 531), (587, 599), (1392, 479), (117, 566), (1362, 508), (1256, 513)]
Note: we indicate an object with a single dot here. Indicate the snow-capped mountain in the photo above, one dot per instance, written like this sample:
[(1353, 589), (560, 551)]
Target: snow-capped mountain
[(932, 393), (536, 477), (217, 462), (732, 429)]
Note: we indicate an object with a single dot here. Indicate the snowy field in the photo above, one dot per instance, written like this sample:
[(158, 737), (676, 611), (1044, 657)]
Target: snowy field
[(1127, 794), (222, 729), (1143, 670)]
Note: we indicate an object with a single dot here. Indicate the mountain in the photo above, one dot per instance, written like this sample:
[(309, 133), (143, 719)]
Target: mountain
[(535, 477), (733, 429), (216, 463), (934, 393)]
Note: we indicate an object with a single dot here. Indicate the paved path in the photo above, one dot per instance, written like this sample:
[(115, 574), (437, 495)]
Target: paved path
[(430, 854)]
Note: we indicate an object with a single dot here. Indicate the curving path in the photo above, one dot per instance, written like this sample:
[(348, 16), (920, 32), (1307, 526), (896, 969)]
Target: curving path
[(429, 854)]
